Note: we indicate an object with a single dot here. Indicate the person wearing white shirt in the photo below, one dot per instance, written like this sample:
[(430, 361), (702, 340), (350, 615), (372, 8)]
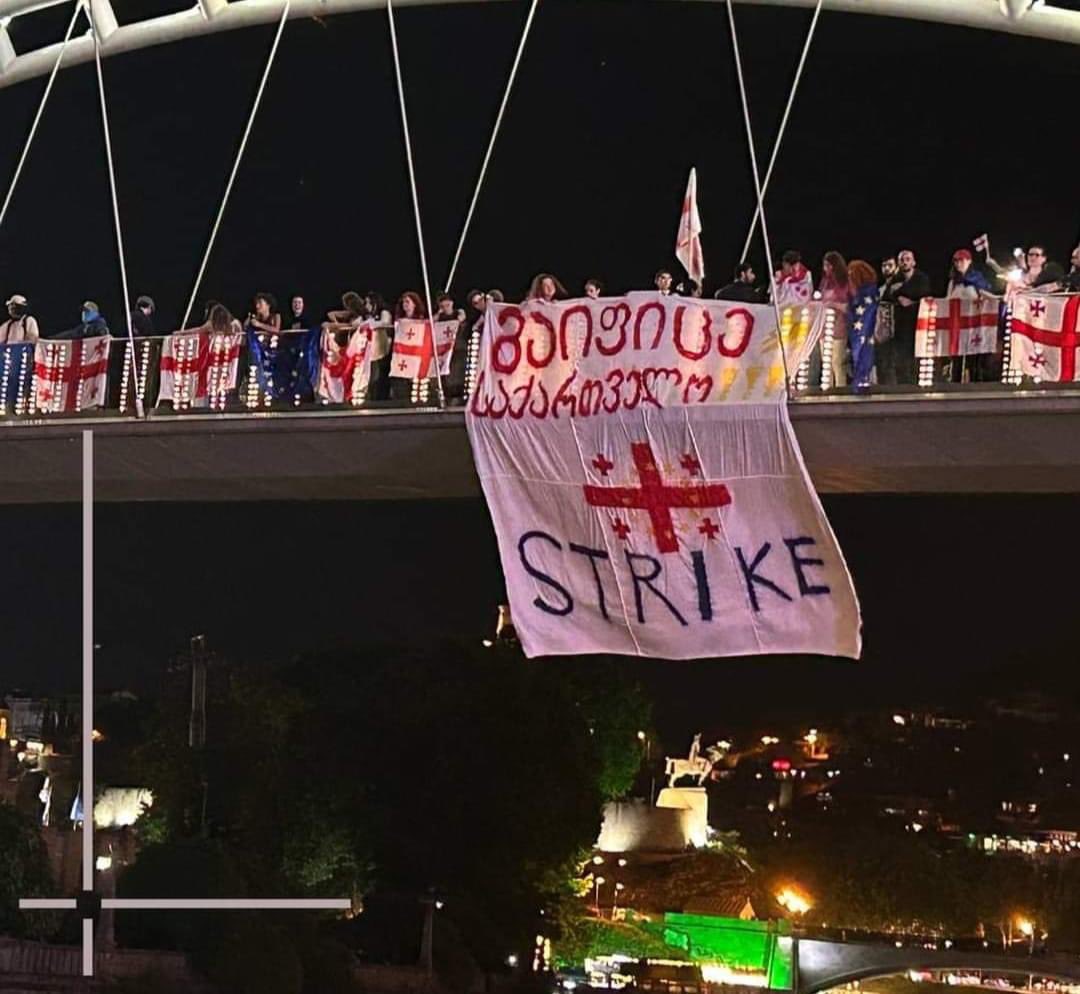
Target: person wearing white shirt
[(21, 326)]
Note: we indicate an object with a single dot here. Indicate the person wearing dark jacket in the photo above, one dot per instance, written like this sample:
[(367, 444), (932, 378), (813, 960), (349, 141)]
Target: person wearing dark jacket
[(742, 287), (142, 317), (897, 365), (92, 324)]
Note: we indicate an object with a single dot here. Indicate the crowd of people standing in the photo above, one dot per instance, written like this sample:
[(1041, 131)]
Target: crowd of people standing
[(874, 312)]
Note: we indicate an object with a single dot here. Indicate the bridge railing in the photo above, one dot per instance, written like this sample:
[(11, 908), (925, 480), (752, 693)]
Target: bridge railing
[(268, 373)]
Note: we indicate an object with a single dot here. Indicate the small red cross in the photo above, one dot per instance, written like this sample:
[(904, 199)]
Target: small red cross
[(1037, 360), (1066, 338), (657, 497), (603, 464), (708, 529), (410, 334), (621, 529), (403, 365), (690, 464)]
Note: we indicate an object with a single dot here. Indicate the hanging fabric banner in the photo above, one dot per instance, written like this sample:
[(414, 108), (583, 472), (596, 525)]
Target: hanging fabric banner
[(414, 350), (345, 366), (198, 368), (70, 375), (957, 327), (647, 490)]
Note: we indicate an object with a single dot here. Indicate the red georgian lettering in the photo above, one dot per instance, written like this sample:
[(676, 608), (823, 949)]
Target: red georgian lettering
[(619, 315), (564, 397), (512, 339), (741, 320), (590, 397), (706, 334), (546, 324), (543, 398), (639, 318), (525, 393), (704, 385), (651, 375), (615, 388), (564, 321)]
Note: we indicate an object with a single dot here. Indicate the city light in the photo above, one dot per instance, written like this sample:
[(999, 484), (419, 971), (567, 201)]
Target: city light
[(899, 719), (794, 900), (641, 736), (1025, 927), (767, 740), (512, 960), (597, 860)]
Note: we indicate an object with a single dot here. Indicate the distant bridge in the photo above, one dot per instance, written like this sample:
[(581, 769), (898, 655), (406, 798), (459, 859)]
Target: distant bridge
[(822, 964), (977, 442)]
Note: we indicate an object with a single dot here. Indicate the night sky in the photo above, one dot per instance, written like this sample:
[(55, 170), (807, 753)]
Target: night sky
[(904, 135)]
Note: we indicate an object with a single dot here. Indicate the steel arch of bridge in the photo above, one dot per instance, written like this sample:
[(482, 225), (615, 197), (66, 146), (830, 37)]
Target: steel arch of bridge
[(211, 16)]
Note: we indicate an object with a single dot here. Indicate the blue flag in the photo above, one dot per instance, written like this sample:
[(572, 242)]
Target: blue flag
[(861, 319), (290, 368), (16, 375)]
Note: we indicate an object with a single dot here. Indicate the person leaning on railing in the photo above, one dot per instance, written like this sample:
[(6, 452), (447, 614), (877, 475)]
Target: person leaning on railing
[(91, 325), (376, 311), (21, 325), (264, 315)]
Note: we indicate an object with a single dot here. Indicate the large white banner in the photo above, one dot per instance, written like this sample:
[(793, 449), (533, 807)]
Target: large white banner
[(647, 490)]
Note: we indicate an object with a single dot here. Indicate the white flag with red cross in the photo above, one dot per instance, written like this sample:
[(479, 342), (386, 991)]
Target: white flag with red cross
[(70, 375), (647, 490), (199, 368), (956, 327), (345, 367), (415, 348), (688, 239), (1045, 334)]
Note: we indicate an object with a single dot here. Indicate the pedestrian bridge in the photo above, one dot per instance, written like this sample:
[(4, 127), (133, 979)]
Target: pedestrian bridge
[(975, 440), (824, 964)]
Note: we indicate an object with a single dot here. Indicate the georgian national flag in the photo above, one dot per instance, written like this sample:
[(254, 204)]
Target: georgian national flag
[(196, 365), (345, 370), (414, 350), (956, 327), (70, 375), (688, 240), (1045, 336)]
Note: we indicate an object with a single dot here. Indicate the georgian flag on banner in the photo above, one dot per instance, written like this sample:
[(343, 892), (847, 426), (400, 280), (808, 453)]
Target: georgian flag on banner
[(1045, 336), (413, 349), (198, 367), (688, 239), (345, 370), (956, 327), (70, 375), (647, 490)]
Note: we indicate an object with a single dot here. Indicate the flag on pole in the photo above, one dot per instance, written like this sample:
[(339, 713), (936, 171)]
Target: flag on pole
[(688, 241)]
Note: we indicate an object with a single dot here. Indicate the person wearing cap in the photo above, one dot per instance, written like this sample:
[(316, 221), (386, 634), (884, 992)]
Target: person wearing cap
[(966, 282), (21, 326), (91, 325), (142, 317)]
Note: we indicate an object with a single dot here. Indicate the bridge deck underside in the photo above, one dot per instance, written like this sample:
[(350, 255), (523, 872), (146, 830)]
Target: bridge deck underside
[(952, 444)]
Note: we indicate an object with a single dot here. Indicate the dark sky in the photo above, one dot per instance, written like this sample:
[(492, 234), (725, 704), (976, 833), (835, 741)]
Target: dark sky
[(953, 590), (904, 134)]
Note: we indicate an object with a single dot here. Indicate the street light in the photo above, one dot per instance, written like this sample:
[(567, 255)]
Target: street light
[(596, 895), (615, 899)]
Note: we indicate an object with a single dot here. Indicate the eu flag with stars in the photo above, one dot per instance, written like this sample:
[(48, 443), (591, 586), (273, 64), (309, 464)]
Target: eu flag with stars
[(286, 363)]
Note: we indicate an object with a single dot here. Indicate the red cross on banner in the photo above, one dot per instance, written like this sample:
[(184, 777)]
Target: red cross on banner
[(1033, 322), (657, 497), (949, 319), (69, 376), (414, 362)]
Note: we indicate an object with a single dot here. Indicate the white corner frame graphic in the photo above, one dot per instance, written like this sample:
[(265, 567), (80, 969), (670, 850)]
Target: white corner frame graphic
[(89, 900)]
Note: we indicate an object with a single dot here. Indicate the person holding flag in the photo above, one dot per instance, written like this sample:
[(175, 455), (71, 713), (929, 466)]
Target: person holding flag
[(688, 239), (861, 319)]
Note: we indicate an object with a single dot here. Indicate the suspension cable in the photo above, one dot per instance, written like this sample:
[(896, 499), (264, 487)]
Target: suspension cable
[(139, 406), (783, 126), (236, 162), (757, 190), (415, 193), (491, 144), (40, 111)]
